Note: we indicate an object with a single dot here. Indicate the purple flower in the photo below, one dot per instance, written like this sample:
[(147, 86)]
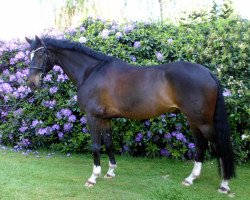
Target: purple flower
[(23, 91), (60, 135), (5, 88), (23, 129), (167, 136), (227, 93), (137, 44), (72, 118), (35, 123), (191, 146), (18, 112), (165, 152), (57, 68), (71, 31), (125, 148), (83, 120), (82, 29), (179, 136), (53, 90), (104, 34), (10, 136), (159, 56), (170, 41), (6, 72), (118, 35), (25, 142), (62, 78), (48, 78), (66, 112), (13, 61), (12, 77), (45, 131), (58, 115), (20, 56), (67, 127), (149, 134), (42, 131), (178, 127), (75, 98), (84, 130), (55, 127), (49, 104), (172, 115), (82, 40), (138, 137), (132, 58), (147, 123), (128, 28)]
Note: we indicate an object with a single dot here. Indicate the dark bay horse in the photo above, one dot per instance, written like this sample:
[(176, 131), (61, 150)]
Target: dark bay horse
[(109, 88)]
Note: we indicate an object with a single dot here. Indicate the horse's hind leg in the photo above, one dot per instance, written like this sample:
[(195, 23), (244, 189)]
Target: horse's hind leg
[(209, 133), (107, 137), (201, 145)]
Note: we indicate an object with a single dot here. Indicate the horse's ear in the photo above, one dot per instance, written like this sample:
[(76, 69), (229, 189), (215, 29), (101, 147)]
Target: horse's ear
[(43, 43), (28, 40), (37, 39)]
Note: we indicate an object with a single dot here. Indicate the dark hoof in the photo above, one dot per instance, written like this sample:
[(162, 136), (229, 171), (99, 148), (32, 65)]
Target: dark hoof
[(107, 176), (186, 183), (89, 184), (223, 190)]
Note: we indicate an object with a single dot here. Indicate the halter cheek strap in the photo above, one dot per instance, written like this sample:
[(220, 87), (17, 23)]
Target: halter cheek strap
[(45, 61)]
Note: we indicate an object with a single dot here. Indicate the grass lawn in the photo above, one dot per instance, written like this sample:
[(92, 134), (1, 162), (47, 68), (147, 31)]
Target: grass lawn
[(25, 177)]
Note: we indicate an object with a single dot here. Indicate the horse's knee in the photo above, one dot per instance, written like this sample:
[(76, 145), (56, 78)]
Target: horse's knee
[(108, 141), (96, 148)]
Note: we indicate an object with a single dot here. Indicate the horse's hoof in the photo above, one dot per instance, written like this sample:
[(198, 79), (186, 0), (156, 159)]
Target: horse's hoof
[(223, 190), (186, 183), (108, 176), (89, 184)]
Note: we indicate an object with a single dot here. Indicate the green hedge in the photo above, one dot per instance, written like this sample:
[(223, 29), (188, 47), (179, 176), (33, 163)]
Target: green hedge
[(53, 120)]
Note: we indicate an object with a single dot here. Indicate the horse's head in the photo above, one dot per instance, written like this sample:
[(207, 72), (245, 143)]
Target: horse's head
[(40, 62)]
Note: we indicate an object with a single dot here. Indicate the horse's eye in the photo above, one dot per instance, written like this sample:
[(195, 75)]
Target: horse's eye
[(31, 55)]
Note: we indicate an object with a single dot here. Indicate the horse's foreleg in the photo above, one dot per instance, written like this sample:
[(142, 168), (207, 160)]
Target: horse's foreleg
[(95, 126), (201, 144), (107, 137)]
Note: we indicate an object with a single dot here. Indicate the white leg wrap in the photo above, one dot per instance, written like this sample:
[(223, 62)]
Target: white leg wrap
[(194, 174), (96, 173), (111, 170), (224, 184)]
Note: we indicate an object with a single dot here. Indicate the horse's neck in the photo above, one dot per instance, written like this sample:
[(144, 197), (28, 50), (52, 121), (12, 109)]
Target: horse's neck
[(75, 64)]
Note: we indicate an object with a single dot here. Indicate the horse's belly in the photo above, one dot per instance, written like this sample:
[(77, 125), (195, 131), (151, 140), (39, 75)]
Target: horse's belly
[(146, 110)]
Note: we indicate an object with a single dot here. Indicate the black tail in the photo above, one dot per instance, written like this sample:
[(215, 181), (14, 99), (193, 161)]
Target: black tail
[(224, 144)]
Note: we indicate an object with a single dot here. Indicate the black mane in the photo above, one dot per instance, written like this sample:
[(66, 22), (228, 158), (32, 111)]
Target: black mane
[(76, 46)]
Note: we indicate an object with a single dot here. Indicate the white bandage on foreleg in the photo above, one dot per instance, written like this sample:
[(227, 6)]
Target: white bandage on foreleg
[(195, 172), (96, 173)]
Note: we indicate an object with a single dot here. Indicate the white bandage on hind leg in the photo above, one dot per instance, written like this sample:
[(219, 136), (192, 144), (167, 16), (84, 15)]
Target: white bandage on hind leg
[(96, 173), (195, 172), (224, 184), (111, 170)]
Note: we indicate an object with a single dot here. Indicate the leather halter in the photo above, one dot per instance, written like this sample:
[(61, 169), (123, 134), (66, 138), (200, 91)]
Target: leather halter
[(45, 61)]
